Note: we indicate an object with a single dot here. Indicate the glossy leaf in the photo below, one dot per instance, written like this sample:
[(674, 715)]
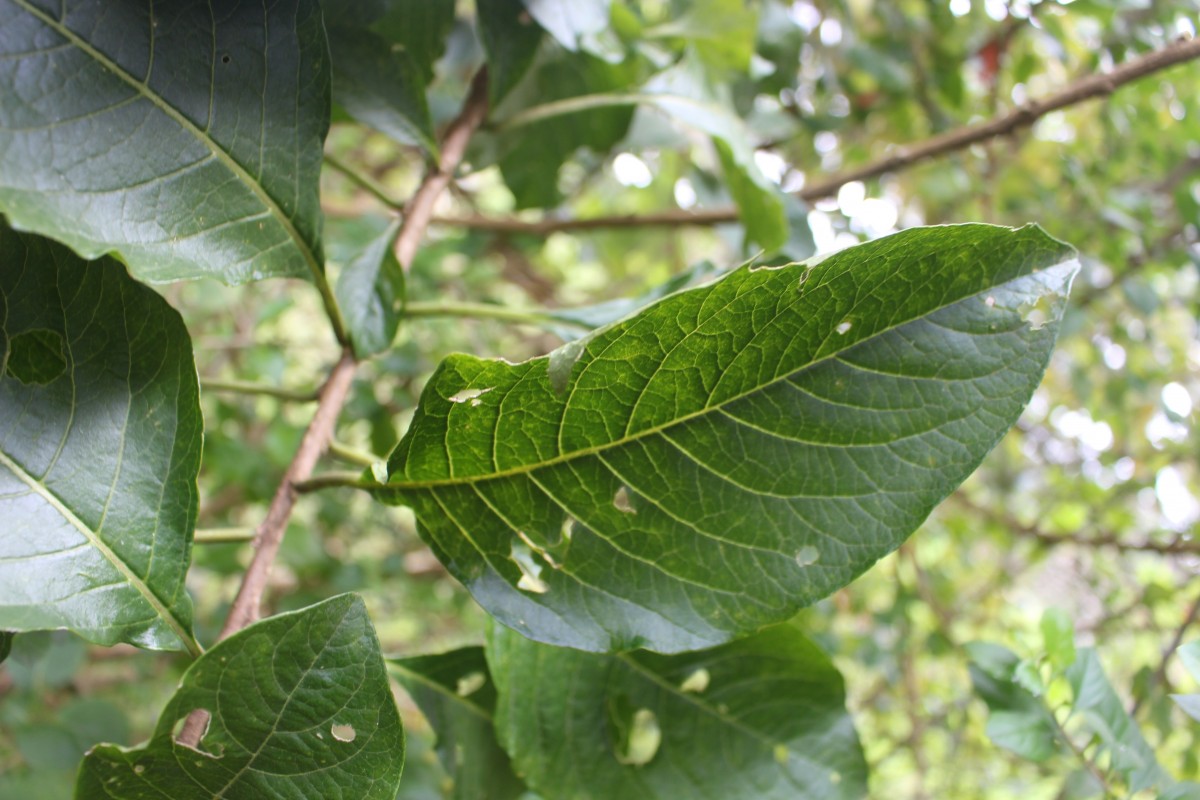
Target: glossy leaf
[(370, 292), (99, 450), (456, 694), (510, 38), (158, 131), (758, 719), (736, 451), (419, 27), (300, 707)]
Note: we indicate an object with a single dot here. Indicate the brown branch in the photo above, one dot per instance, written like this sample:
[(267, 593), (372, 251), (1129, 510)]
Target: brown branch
[(419, 211), (904, 156), (1159, 676), (332, 396)]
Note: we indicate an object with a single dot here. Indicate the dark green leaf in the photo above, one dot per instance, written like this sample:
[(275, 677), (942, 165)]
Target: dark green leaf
[(6, 640), (533, 154), (455, 692), (510, 38), (380, 86), (758, 719), (99, 457), (735, 451), (158, 131), (370, 292), (420, 27), (300, 707)]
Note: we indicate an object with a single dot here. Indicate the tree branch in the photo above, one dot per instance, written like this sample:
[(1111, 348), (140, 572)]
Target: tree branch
[(1159, 676), (902, 157), (243, 387), (419, 211)]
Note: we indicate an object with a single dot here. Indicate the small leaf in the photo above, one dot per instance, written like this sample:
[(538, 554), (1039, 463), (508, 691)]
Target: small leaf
[(100, 435), (300, 707), (370, 292), (771, 722), (1017, 720), (456, 695), (158, 131), (510, 38), (828, 406)]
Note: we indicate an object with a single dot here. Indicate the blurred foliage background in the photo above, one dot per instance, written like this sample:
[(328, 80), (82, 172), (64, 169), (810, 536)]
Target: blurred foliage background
[(1085, 512)]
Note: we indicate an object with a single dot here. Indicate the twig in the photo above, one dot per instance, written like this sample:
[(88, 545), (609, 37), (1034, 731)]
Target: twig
[(352, 455), (243, 387), (490, 311), (419, 210), (1092, 86), (334, 479), (222, 535), (363, 182), (1160, 675)]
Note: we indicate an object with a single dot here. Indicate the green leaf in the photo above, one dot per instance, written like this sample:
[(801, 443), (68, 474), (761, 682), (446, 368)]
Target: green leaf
[(760, 718), (1104, 715), (1017, 721), (300, 707), (533, 154), (510, 38), (456, 694), (420, 27), (159, 132), (380, 86), (575, 24), (370, 292), (722, 31), (736, 451), (683, 93), (1058, 637), (98, 455), (1189, 654)]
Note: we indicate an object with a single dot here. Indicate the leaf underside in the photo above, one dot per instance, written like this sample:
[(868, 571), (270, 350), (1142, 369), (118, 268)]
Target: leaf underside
[(759, 719), (736, 451), (99, 450), (158, 131), (300, 707)]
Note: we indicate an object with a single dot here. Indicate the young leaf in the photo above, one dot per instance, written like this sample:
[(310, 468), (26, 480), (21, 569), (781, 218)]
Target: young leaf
[(510, 38), (736, 451), (370, 292), (760, 718), (456, 694), (300, 707), (158, 131), (1017, 720), (100, 436)]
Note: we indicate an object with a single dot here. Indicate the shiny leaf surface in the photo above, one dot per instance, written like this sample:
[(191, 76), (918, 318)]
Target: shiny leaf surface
[(736, 451), (99, 450), (159, 131), (758, 719), (300, 707), (370, 292)]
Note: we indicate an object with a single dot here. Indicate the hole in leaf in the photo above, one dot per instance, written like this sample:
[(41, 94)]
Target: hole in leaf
[(844, 326), (343, 733), (781, 753), (696, 682), (638, 738), (621, 501), (989, 301), (835, 778), (225, 59), (1036, 314), (562, 361), (138, 769), (531, 571), (469, 395), (808, 555), (36, 357), (470, 683), (190, 731)]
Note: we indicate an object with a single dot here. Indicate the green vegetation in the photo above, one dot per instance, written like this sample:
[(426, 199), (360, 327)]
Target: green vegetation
[(599, 399)]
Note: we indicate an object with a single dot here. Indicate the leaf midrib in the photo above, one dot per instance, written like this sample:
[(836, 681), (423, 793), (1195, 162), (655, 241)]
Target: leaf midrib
[(94, 539), (243, 176), (524, 469)]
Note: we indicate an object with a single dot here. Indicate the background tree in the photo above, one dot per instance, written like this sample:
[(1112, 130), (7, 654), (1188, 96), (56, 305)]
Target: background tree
[(501, 177)]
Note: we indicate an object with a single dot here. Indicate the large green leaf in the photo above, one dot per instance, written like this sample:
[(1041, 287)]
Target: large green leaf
[(187, 138), (735, 451), (458, 698), (758, 719), (300, 708), (100, 436)]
